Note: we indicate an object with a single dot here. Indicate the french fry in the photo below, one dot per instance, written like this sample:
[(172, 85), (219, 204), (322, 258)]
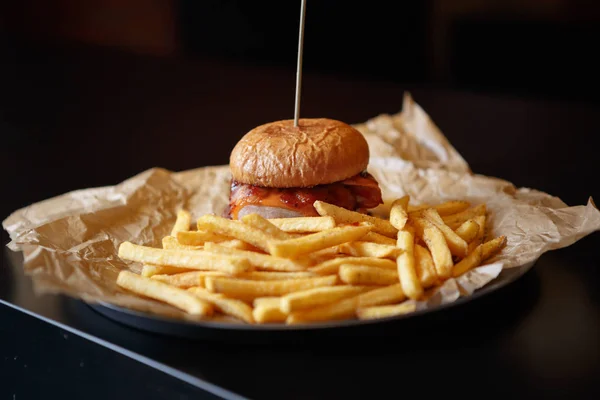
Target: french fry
[(271, 301), (468, 230), (407, 274), (363, 275), (274, 276), (425, 267), (368, 249), (236, 244), (490, 248), (319, 256), (378, 312), (264, 225), (267, 310), (332, 266), (258, 260), (479, 220), (149, 270), (481, 253), (304, 224), (343, 216), (192, 259), (199, 237), (398, 212), (414, 207), (316, 241), (234, 229), (232, 307), (182, 222), (346, 308), (163, 292), (374, 237), (382, 296), (249, 290), (339, 310), (170, 243), (187, 279), (442, 258), (455, 220), (469, 262), (317, 297), (456, 244), (444, 209)]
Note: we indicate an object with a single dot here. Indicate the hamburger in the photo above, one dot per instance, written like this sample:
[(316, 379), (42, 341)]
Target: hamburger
[(279, 170)]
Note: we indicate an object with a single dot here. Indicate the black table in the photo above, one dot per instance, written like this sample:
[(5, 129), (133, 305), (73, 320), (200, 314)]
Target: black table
[(79, 117)]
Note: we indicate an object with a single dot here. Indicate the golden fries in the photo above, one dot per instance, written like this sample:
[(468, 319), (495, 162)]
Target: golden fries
[(163, 292), (407, 273), (304, 224), (186, 279), (346, 308), (469, 262), (377, 312), (249, 290), (363, 275), (448, 208), (375, 237), (479, 220), (232, 307), (198, 238), (381, 296), (440, 252), (171, 242), (339, 265), (468, 230), (455, 220), (244, 232), (332, 266), (268, 310), (182, 222), (258, 260), (343, 216), (398, 212), (368, 249), (202, 260), (425, 267), (264, 225), (456, 244), (274, 275), (338, 310), (235, 244), (481, 253), (317, 297), (150, 270), (317, 241)]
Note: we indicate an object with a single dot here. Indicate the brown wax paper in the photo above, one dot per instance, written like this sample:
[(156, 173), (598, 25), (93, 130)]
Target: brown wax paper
[(70, 242)]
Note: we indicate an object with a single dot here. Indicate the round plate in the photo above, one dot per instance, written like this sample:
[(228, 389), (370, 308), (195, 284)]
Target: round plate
[(258, 332)]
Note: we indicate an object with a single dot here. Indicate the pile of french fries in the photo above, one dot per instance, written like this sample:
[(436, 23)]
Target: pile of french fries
[(336, 266)]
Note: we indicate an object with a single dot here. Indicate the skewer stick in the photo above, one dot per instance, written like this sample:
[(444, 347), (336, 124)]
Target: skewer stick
[(299, 65)]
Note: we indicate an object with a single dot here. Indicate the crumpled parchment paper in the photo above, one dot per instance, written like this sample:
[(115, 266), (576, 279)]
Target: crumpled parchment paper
[(70, 242)]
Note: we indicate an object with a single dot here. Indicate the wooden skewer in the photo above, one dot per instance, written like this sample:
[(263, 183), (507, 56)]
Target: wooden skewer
[(299, 64)]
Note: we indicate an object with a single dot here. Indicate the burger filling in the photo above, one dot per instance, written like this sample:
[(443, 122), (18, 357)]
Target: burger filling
[(357, 193)]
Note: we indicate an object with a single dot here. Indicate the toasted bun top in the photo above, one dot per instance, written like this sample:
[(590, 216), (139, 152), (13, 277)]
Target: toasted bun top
[(318, 151)]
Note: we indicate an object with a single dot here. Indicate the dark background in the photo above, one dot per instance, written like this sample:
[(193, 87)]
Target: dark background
[(542, 48)]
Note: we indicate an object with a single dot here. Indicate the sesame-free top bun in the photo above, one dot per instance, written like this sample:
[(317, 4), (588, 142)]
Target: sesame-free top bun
[(318, 151)]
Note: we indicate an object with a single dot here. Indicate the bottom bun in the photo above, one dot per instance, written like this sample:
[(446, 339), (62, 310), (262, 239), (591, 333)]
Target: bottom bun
[(269, 212)]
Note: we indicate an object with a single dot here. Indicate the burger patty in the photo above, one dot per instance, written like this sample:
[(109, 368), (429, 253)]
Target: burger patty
[(359, 192)]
